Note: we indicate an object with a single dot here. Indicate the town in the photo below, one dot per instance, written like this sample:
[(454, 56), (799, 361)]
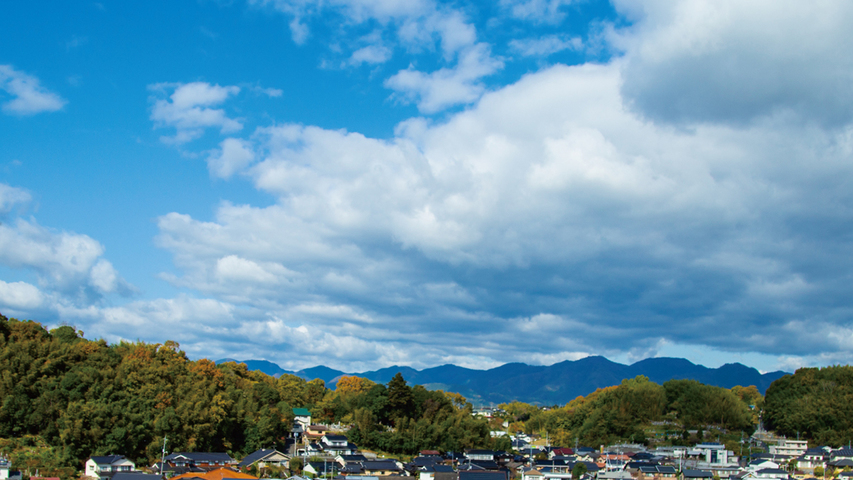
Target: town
[(321, 451)]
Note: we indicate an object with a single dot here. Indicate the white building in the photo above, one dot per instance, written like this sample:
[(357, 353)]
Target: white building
[(106, 466), (791, 448)]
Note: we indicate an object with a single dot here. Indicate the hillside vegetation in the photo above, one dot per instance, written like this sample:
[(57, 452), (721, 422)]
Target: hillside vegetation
[(64, 398), (814, 403)]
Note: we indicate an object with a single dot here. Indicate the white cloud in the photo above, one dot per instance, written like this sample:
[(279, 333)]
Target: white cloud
[(545, 45), (731, 61), (65, 262), (188, 109), (29, 97), (20, 296), (448, 86), (232, 156), (12, 196), (540, 11), (550, 185), (371, 54)]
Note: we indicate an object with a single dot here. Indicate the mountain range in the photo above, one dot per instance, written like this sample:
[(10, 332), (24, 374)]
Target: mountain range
[(555, 384)]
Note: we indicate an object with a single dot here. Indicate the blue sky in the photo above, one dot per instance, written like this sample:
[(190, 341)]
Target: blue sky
[(363, 183)]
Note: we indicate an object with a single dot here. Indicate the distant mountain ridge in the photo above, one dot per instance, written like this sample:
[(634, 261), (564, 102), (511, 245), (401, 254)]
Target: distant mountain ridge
[(544, 385)]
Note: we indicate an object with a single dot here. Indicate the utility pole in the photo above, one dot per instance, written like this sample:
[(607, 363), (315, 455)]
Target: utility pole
[(163, 456)]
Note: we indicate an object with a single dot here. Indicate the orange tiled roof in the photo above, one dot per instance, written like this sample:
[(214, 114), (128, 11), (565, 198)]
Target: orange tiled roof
[(217, 474)]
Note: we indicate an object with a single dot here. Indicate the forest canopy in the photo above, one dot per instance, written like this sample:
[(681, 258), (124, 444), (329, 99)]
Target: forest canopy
[(69, 398)]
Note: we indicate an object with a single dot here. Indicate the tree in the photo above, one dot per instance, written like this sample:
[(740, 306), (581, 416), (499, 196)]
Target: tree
[(579, 470), (296, 466), (400, 399)]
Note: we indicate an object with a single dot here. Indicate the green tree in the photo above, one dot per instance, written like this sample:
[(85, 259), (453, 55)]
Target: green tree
[(579, 470)]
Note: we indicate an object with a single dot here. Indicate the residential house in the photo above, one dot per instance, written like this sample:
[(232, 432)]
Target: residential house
[(768, 474), (712, 455), (315, 432), (615, 475), (480, 455), (688, 474), (200, 459), (561, 452), (813, 457), (437, 472), (841, 458), (530, 473), (265, 458), (657, 471), (321, 468), (482, 475), (344, 460), (382, 467), (301, 420), (337, 445), (136, 476), (108, 465), (218, 473)]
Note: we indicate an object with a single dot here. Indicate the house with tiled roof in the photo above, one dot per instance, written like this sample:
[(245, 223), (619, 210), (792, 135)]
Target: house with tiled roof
[(200, 459), (136, 476), (264, 458), (106, 466), (301, 420), (437, 472), (382, 467), (221, 473)]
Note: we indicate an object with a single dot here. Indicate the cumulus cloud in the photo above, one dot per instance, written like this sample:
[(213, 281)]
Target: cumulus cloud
[(416, 23), (371, 54), (28, 96), (68, 263), (233, 155), (731, 61), (590, 208), (188, 109), (20, 296), (545, 45), (448, 86), (12, 196), (548, 206), (540, 11), (416, 26)]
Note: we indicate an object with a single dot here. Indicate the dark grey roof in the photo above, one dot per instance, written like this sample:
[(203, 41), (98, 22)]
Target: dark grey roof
[(257, 456), (380, 465), (336, 438), (481, 475), (485, 464), (696, 474), (425, 461), (135, 476), (106, 459), (353, 468), (202, 457), (353, 458)]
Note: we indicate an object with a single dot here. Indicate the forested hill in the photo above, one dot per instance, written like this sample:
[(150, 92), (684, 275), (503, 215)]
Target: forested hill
[(544, 385), (64, 398)]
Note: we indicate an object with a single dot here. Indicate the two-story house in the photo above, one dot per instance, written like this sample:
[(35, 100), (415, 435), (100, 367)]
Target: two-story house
[(108, 465)]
